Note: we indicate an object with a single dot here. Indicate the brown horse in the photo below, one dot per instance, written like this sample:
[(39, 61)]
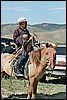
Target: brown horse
[(39, 60)]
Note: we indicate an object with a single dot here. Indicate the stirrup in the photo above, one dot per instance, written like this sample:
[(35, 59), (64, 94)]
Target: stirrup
[(19, 74)]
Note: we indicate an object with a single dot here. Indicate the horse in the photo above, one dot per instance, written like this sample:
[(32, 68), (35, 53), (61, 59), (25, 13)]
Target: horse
[(39, 60)]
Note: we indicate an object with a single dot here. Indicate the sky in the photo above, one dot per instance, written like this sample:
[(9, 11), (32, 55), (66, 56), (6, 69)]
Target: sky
[(35, 12)]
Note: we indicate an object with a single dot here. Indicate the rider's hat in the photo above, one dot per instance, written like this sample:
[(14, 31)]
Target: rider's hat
[(22, 19)]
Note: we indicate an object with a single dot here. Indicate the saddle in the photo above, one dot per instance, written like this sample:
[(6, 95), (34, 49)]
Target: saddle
[(23, 68)]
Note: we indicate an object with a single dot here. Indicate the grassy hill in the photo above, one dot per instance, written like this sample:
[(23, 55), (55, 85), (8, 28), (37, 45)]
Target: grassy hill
[(45, 31)]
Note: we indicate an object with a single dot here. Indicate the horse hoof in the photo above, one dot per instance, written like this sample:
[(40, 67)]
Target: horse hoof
[(33, 98), (28, 97), (1, 97)]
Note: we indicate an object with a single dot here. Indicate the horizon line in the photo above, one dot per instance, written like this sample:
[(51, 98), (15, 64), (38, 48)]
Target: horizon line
[(35, 23)]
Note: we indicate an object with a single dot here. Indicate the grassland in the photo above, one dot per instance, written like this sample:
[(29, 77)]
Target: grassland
[(47, 90)]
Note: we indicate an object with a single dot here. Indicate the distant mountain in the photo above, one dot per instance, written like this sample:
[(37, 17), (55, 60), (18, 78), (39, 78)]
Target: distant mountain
[(45, 27), (45, 31)]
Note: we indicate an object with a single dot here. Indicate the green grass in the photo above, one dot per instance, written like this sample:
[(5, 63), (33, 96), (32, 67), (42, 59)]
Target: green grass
[(17, 90)]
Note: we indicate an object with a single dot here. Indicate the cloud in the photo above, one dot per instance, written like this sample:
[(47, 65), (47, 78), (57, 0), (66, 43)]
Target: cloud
[(29, 1), (16, 9), (57, 9)]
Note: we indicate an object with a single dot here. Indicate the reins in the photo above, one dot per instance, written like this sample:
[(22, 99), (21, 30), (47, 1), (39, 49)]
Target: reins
[(20, 49), (39, 60)]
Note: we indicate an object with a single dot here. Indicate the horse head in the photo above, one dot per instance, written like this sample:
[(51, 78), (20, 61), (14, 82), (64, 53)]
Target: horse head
[(50, 55)]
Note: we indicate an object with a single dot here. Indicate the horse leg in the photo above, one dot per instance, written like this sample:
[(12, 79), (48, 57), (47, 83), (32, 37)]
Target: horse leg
[(34, 90), (29, 95), (2, 75), (1, 97), (31, 80)]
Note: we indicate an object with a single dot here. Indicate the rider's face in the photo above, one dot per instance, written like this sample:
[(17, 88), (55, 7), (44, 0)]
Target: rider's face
[(23, 24)]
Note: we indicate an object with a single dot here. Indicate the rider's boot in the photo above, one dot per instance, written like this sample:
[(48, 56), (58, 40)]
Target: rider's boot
[(16, 70)]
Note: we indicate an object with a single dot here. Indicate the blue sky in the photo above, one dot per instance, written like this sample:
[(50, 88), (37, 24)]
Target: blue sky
[(34, 11)]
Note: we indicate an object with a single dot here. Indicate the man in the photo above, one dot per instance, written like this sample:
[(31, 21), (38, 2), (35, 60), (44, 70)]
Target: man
[(21, 36), (2, 46), (19, 32), (8, 48)]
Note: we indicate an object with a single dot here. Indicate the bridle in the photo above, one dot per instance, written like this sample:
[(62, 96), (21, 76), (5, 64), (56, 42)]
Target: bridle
[(50, 69), (47, 60)]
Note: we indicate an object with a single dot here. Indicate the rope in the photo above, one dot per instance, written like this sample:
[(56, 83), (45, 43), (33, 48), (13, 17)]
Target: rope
[(39, 60), (20, 49), (43, 65)]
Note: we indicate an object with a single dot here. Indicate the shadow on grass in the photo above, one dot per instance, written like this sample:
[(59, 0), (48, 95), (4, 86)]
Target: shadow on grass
[(17, 96), (61, 95), (61, 80)]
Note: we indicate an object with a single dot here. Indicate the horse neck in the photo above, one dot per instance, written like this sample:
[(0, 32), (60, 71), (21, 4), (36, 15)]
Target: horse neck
[(43, 57), (43, 54)]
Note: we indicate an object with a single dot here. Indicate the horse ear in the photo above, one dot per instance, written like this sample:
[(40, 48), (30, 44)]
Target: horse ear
[(53, 45), (47, 45)]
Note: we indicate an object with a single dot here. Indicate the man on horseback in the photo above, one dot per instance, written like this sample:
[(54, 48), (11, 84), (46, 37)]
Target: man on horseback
[(21, 38), (8, 48)]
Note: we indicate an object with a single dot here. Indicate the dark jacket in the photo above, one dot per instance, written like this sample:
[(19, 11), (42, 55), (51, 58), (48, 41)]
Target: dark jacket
[(17, 36), (8, 49), (2, 46)]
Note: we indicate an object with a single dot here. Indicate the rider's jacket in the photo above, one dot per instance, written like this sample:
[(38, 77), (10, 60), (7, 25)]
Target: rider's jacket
[(18, 36)]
